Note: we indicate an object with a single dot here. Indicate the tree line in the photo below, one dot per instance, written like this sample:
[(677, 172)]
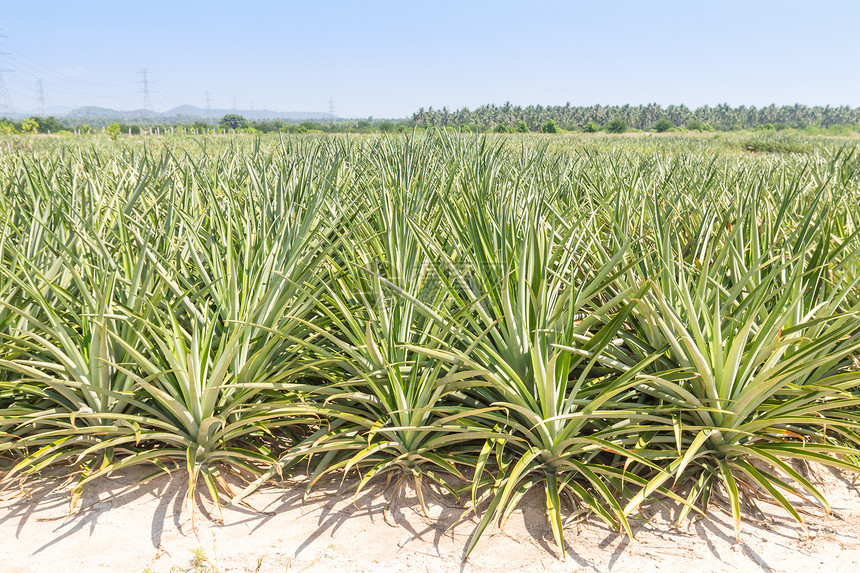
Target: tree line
[(504, 118), (644, 117), (229, 123)]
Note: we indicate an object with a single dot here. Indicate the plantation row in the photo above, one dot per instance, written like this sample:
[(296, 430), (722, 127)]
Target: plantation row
[(607, 325)]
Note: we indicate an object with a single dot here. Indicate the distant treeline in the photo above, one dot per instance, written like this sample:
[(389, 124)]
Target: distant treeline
[(505, 118), (644, 117), (53, 125)]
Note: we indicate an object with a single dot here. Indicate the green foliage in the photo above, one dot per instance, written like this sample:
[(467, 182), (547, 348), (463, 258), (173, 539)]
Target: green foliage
[(7, 127), (501, 128), (30, 125), (50, 125), (617, 125), (233, 121), (663, 125), (113, 131), (591, 127), (695, 125), (522, 127), (313, 126), (550, 127)]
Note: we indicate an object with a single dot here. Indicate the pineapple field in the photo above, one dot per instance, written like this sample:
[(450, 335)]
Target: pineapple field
[(602, 321)]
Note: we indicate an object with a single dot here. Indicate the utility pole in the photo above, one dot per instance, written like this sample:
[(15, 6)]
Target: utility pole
[(147, 102), (5, 99), (40, 93)]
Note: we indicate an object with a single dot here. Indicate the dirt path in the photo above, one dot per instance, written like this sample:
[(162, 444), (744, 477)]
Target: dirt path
[(122, 527)]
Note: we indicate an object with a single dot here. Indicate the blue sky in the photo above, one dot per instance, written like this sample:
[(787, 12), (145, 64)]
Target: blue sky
[(387, 59)]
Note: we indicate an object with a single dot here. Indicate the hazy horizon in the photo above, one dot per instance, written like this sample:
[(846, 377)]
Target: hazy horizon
[(384, 59)]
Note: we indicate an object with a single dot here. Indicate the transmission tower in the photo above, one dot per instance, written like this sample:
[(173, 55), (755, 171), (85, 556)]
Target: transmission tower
[(40, 93), (5, 99), (208, 108), (147, 102), (331, 109)]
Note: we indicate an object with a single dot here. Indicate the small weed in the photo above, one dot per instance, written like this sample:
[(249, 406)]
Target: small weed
[(200, 563), (199, 559)]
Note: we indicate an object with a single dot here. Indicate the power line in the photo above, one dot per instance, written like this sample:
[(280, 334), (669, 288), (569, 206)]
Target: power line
[(59, 86), (68, 87), (5, 99), (24, 86), (38, 68)]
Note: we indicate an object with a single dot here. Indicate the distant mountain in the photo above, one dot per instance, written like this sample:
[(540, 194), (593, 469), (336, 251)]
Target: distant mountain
[(184, 113), (94, 112), (256, 114)]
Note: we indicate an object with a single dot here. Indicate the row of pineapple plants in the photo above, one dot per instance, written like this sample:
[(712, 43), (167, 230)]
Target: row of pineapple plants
[(607, 326)]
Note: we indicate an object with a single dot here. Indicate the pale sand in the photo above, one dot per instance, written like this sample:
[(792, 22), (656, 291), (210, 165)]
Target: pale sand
[(146, 528)]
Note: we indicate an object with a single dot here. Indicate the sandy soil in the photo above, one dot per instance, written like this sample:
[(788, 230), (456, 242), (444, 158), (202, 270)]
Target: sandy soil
[(127, 527)]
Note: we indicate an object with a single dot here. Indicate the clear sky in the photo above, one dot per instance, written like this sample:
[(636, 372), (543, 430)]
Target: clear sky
[(388, 58)]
